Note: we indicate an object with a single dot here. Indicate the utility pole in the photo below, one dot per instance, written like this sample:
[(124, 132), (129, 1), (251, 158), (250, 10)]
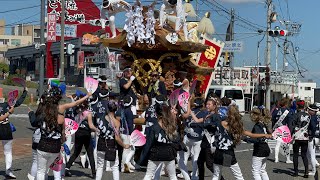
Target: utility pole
[(285, 50), (63, 12), (268, 53), (42, 47), (231, 63), (277, 50)]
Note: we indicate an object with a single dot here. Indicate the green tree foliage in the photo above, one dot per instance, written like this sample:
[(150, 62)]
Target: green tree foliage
[(4, 67)]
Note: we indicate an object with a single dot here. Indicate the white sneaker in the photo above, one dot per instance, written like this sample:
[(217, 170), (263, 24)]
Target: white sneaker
[(162, 173), (131, 166), (30, 177), (180, 176), (312, 173), (289, 162), (276, 160), (9, 175), (108, 168)]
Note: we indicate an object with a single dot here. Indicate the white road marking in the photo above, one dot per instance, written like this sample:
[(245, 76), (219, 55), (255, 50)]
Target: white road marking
[(243, 150), (20, 115)]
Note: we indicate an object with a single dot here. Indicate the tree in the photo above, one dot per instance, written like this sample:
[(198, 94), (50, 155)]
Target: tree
[(4, 67)]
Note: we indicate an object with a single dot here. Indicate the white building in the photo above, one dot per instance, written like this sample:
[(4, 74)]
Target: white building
[(306, 91)]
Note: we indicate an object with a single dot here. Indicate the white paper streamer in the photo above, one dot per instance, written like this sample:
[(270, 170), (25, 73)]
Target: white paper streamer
[(129, 28), (139, 30), (150, 31)]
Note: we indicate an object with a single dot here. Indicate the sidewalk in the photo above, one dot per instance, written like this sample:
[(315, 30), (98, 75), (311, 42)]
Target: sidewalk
[(22, 147)]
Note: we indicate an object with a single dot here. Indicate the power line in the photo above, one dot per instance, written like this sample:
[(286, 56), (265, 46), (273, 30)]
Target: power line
[(294, 59), (282, 14), (245, 25), (288, 12), (13, 25), (19, 21), (239, 17), (19, 9), (246, 37)]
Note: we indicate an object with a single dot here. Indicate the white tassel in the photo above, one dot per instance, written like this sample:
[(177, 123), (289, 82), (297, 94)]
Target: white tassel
[(188, 8), (205, 25)]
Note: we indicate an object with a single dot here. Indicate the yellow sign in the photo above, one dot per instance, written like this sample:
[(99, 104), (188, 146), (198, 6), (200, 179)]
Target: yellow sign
[(210, 53)]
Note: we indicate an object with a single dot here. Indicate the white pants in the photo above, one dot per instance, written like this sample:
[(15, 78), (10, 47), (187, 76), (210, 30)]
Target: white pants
[(236, 171), (70, 143), (100, 166), (7, 151), (312, 155), (33, 171), (259, 168), (45, 159), (152, 167), (276, 151), (193, 148), (127, 154)]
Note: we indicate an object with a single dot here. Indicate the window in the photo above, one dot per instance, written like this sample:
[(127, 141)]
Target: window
[(4, 41), (15, 42), (307, 88), (218, 93), (234, 94)]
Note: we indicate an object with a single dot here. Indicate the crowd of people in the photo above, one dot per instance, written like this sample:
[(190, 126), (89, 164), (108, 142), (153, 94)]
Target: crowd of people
[(205, 129)]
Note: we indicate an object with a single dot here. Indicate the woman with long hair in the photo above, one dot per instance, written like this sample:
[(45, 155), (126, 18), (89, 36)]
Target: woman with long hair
[(109, 135), (52, 129), (33, 117), (262, 118), (159, 147), (193, 138), (6, 131), (209, 121), (228, 135), (83, 136)]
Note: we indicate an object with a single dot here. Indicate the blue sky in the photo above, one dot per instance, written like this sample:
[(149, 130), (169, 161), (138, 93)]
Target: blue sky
[(304, 12)]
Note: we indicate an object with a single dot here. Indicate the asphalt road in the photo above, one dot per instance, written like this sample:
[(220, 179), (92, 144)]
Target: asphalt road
[(22, 157)]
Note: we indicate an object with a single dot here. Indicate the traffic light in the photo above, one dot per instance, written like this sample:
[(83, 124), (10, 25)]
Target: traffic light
[(70, 49), (65, 48), (277, 33)]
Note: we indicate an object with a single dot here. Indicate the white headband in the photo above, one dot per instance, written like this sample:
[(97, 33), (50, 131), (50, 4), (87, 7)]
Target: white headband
[(128, 104), (316, 110), (100, 80), (179, 84)]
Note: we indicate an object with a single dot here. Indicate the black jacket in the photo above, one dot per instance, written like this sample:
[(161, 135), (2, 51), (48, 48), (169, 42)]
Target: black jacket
[(301, 119), (152, 138), (260, 147), (287, 120)]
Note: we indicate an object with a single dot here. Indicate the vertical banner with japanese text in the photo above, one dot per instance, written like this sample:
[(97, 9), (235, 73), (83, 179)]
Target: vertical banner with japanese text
[(51, 28), (209, 58)]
